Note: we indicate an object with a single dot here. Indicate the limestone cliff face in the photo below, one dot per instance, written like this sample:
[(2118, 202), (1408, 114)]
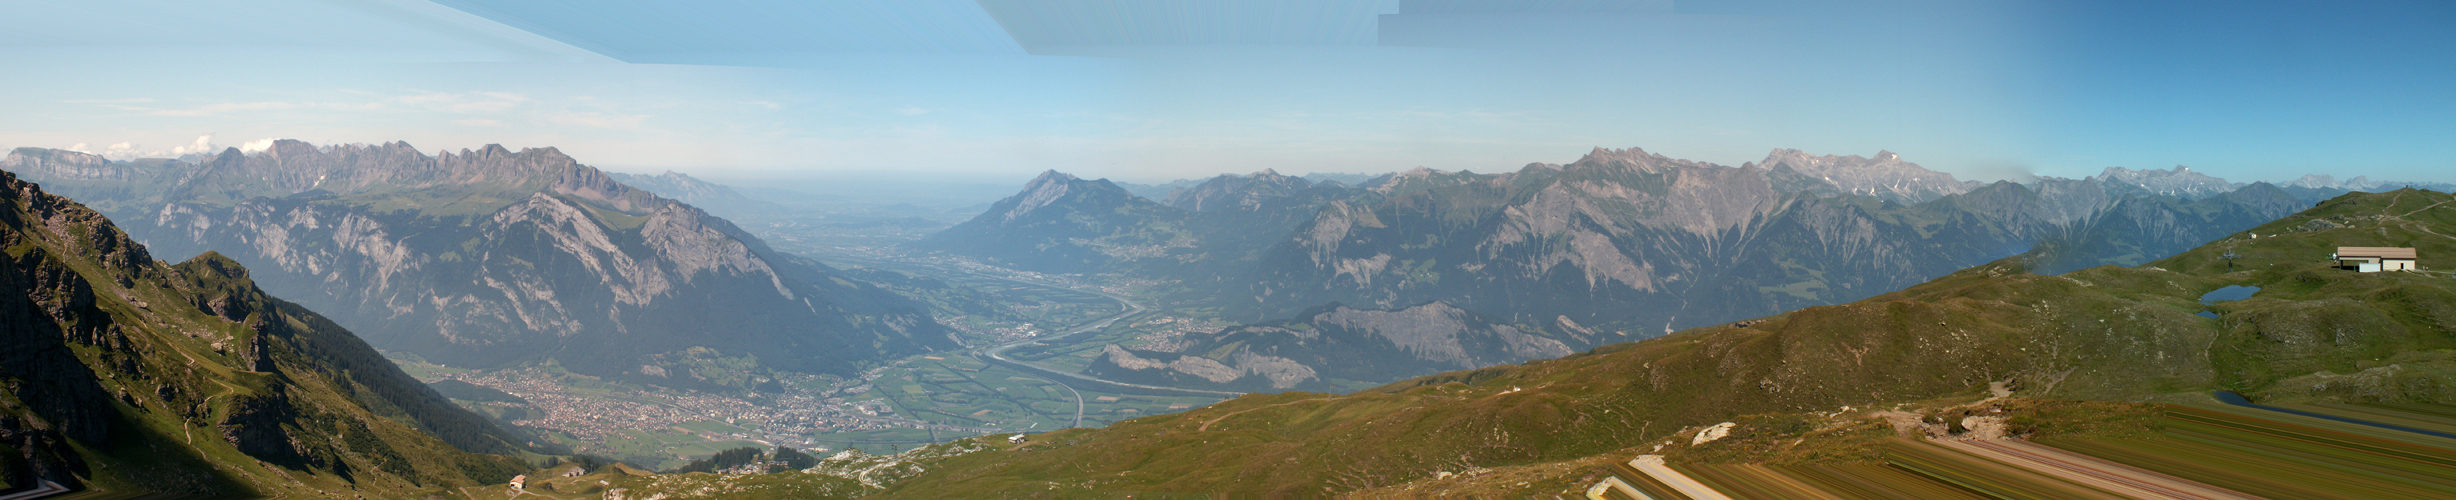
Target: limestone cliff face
[(152, 369), (493, 257)]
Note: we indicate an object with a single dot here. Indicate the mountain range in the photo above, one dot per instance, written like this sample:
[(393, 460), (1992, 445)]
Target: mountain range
[(1625, 244), (491, 258), (132, 377)]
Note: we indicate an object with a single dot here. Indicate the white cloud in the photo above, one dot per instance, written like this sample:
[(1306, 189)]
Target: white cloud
[(130, 150), (478, 122), (203, 144)]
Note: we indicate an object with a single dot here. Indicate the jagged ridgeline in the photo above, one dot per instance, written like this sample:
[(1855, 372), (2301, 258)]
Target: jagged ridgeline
[(130, 375), (491, 257), (1622, 241), (2312, 333)]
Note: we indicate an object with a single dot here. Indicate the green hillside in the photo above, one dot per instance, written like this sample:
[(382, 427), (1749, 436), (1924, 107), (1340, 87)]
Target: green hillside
[(2107, 333)]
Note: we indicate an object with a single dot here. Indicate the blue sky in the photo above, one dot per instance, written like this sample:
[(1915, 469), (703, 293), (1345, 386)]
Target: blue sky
[(1152, 90)]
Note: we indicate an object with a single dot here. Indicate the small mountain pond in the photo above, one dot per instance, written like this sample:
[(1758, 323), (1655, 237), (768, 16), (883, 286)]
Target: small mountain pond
[(2227, 294)]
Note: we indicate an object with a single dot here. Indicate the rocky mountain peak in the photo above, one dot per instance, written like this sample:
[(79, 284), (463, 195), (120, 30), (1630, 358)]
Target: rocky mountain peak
[(1630, 159), (1884, 176), (1047, 189), (1048, 177), (2180, 181)]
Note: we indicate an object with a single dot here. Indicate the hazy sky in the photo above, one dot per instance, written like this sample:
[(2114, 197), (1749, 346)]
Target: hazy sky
[(1152, 90)]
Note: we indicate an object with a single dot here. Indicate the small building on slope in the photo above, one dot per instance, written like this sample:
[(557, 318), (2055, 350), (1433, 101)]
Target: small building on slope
[(2375, 259)]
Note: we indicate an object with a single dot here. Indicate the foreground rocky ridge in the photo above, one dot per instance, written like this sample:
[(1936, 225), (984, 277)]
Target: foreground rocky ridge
[(130, 375), (492, 257)]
